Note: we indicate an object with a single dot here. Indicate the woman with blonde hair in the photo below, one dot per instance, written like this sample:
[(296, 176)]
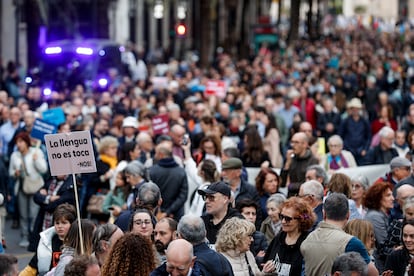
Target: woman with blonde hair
[(341, 183), (233, 241), (363, 230)]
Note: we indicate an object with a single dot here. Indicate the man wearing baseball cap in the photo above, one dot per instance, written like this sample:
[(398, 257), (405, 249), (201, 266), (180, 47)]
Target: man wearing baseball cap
[(218, 201)]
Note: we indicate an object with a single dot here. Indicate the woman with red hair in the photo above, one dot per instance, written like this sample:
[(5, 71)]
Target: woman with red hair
[(297, 218), (379, 201)]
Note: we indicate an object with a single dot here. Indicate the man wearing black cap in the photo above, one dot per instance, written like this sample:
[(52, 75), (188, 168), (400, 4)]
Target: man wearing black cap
[(218, 198)]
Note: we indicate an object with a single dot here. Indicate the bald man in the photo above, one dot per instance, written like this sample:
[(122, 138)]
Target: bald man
[(298, 158), (180, 260)]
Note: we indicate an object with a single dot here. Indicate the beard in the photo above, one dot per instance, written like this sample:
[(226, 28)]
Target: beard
[(160, 247)]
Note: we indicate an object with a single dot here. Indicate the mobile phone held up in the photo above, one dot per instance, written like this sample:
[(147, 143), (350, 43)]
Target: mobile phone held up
[(185, 139)]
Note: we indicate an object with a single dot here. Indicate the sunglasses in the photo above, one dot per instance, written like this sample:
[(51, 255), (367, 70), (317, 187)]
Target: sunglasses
[(286, 218)]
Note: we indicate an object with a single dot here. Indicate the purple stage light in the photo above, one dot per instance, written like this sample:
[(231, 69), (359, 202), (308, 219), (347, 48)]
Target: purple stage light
[(28, 80), (103, 82), (53, 50), (47, 91), (84, 51)]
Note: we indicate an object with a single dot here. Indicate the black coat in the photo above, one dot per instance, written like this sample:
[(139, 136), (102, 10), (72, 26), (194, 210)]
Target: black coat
[(212, 229), (397, 262), (211, 262), (172, 181), (376, 155), (286, 255)]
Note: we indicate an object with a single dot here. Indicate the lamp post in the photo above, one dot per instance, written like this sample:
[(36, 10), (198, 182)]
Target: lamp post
[(17, 12)]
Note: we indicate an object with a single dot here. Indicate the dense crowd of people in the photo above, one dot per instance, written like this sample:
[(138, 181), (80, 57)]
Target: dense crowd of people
[(177, 200)]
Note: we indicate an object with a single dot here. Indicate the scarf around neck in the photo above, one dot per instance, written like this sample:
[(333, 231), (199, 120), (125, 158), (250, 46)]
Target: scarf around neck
[(111, 161)]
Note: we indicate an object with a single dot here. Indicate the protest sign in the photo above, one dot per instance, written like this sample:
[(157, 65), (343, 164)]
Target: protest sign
[(54, 116), (217, 88), (70, 153), (41, 128), (160, 124)]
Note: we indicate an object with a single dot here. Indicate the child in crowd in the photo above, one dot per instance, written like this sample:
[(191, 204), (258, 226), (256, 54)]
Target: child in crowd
[(51, 241)]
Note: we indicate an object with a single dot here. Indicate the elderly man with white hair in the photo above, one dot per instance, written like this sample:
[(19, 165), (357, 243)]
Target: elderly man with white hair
[(384, 152), (312, 192)]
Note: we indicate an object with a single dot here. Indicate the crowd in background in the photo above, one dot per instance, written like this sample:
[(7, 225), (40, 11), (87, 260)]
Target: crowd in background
[(354, 89)]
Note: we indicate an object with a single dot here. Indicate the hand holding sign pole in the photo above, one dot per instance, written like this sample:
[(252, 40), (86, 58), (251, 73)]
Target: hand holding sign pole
[(71, 153)]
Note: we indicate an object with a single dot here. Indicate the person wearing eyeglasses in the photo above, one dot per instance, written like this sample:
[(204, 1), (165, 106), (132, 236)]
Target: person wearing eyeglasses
[(218, 200), (329, 240), (360, 185), (142, 222), (298, 158), (297, 219), (337, 157), (312, 192)]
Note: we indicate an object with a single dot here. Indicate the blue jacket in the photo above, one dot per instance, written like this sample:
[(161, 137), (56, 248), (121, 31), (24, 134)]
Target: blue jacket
[(211, 262), (356, 135)]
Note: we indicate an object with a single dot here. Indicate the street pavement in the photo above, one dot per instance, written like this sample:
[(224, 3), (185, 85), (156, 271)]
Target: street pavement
[(12, 241)]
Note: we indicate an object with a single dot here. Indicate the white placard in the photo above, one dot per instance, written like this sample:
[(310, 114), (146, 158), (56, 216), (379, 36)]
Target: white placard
[(70, 153)]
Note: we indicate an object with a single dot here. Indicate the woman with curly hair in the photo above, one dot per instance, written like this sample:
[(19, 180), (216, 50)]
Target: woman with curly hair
[(297, 218), (254, 154), (132, 254), (267, 184), (379, 201), (233, 241)]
